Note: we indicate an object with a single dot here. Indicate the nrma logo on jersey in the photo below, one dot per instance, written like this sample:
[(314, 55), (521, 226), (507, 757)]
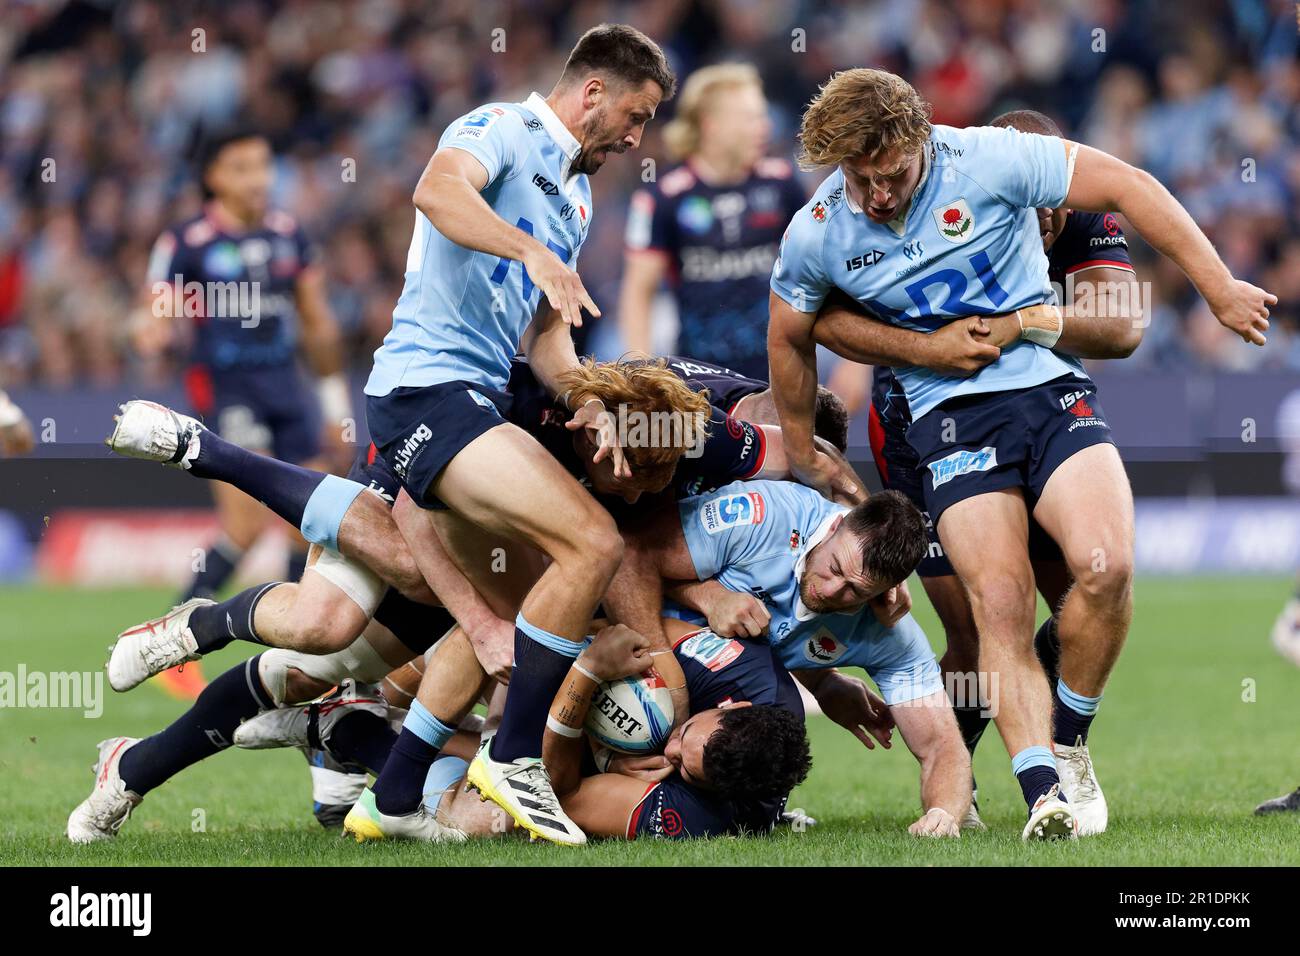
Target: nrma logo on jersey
[(732, 511), (963, 463)]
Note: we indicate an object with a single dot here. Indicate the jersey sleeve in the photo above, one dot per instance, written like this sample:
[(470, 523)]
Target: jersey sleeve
[(899, 660), (650, 222), (1024, 170), (799, 275), (733, 450), (675, 810), (728, 526), (487, 134), (1090, 240)]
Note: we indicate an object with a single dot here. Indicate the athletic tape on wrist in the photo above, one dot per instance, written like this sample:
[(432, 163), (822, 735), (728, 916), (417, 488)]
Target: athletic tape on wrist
[(562, 729)]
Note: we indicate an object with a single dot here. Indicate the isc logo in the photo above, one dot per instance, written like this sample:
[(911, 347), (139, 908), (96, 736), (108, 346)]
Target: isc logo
[(730, 511)]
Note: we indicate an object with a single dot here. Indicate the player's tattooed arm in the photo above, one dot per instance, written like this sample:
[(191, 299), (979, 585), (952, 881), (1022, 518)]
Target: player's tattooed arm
[(616, 652), (1102, 183), (449, 194), (930, 731)]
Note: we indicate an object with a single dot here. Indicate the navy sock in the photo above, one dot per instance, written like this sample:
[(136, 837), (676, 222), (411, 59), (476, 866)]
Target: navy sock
[(219, 563), (363, 738), (537, 675), (206, 728), (216, 625), (972, 724), (1069, 724), (1036, 781), (297, 565), (1047, 644), (400, 787), (282, 487)]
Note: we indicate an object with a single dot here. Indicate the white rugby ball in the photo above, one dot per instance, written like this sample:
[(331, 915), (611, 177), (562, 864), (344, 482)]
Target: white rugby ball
[(633, 715)]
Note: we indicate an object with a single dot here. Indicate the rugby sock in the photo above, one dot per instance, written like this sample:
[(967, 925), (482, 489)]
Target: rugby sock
[(362, 738), (1035, 768), (972, 722), (400, 786), (206, 728), (541, 661), (297, 564), (282, 487), (1072, 715), (219, 563), (1047, 644), (216, 625)]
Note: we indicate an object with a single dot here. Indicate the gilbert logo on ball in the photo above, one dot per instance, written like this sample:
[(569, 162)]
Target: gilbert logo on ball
[(954, 221), (633, 715)]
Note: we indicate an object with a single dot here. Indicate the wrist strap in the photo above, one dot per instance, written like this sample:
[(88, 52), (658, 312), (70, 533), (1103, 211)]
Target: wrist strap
[(562, 729), (1041, 324), (585, 673)]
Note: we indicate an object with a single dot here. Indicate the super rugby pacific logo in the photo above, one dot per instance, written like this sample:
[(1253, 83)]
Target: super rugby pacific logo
[(732, 511)]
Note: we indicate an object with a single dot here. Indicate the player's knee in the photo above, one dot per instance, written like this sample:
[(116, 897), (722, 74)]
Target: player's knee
[(323, 627), (1006, 594), (1106, 578), (597, 544), (298, 687)]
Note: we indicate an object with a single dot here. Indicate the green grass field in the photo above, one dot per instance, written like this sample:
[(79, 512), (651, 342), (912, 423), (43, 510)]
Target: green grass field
[(1182, 756)]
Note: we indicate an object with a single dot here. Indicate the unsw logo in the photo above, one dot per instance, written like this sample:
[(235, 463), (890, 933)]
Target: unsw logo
[(963, 462), (731, 511)]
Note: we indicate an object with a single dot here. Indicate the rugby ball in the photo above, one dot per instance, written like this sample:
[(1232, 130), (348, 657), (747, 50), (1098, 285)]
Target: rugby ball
[(633, 715)]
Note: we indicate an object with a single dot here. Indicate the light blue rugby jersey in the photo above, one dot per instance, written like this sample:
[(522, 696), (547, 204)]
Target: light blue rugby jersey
[(463, 313), (753, 537), (969, 245)]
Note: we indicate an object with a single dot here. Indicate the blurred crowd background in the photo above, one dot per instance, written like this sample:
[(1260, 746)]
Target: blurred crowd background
[(1205, 94)]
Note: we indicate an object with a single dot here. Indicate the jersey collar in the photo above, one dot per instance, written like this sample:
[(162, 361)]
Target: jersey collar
[(801, 612), (553, 126)]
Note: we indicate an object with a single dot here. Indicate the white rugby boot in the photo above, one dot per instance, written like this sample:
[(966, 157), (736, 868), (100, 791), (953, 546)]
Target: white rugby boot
[(1286, 631), (1080, 786), (522, 789), (971, 819), (308, 726), (102, 814), (154, 432), (152, 647), (1050, 819), (365, 822)]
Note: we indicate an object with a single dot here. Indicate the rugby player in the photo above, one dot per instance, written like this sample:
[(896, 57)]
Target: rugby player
[(816, 567), (1089, 265), (711, 224), (246, 274), (503, 208), (925, 224)]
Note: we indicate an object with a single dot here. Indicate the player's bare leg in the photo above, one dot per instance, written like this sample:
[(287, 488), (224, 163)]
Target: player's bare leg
[(546, 508), (985, 538), (1087, 507)]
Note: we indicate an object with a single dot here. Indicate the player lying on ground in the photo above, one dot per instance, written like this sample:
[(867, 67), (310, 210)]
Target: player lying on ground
[(816, 567), (1088, 263), (954, 210), (720, 772)]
